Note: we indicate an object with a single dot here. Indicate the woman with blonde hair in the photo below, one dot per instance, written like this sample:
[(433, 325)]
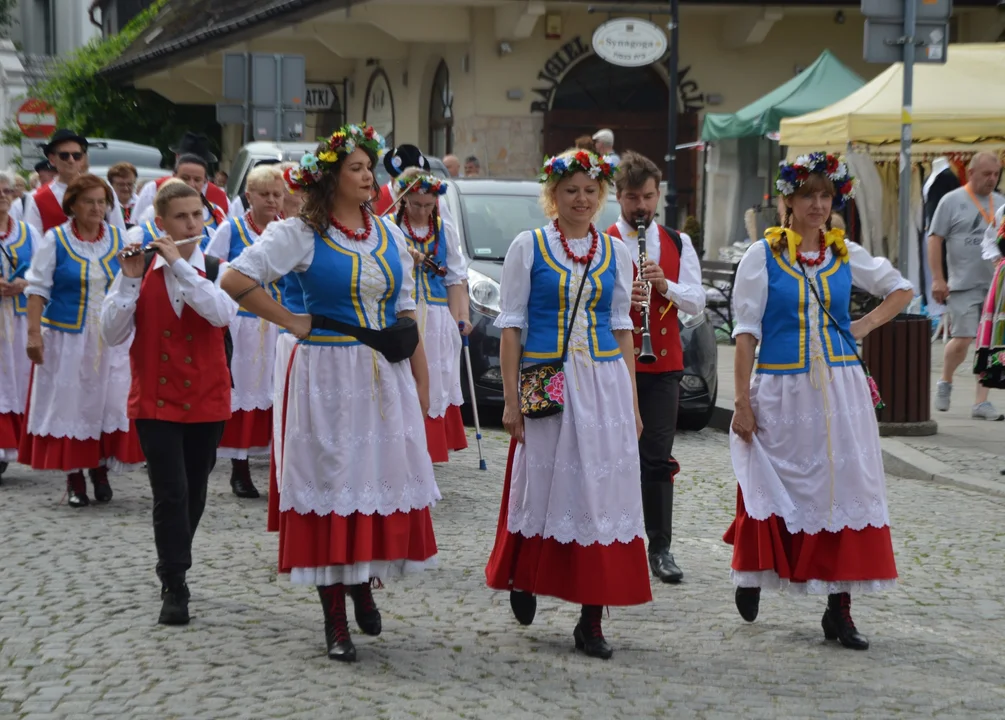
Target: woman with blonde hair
[(570, 525), (355, 481), (811, 513), (249, 431)]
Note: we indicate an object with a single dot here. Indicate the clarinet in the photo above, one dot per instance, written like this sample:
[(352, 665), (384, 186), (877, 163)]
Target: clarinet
[(646, 356)]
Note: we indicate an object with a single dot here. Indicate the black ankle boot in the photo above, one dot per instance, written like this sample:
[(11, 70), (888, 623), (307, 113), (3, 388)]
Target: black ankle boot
[(838, 625), (365, 609), (337, 636), (174, 602), (240, 480), (3, 469), (76, 490), (748, 601), (588, 634), (524, 606), (102, 490)]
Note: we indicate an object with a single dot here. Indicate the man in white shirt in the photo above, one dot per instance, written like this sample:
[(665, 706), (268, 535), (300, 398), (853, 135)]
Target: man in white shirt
[(603, 140), (674, 274), (67, 151)]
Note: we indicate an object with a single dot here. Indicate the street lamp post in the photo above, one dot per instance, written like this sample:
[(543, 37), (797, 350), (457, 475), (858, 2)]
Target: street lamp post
[(670, 210)]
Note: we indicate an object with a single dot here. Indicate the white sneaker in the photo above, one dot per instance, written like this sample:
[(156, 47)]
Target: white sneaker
[(986, 411), (943, 391)]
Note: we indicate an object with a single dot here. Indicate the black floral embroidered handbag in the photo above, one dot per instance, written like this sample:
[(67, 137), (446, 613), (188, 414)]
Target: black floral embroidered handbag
[(542, 386)]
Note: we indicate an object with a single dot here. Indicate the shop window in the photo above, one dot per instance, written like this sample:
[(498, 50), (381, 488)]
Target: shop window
[(441, 114)]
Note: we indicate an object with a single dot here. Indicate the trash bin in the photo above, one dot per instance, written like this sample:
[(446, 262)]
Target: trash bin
[(899, 356)]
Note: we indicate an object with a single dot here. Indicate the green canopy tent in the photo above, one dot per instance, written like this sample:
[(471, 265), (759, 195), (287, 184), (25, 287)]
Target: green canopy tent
[(824, 82), (739, 148)]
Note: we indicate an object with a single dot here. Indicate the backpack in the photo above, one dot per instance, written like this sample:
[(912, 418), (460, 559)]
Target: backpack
[(675, 236), (212, 271)]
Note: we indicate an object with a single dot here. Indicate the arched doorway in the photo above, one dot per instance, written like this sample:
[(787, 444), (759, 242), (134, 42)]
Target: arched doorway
[(633, 103), (441, 114)]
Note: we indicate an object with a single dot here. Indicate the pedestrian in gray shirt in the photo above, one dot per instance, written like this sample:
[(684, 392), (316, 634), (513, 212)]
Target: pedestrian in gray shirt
[(960, 221)]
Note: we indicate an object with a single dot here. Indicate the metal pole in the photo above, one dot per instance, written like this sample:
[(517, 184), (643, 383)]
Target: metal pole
[(670, 210), (910, 22)]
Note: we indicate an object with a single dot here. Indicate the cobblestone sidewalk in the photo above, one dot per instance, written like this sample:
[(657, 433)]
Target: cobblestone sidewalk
[(79, 639)]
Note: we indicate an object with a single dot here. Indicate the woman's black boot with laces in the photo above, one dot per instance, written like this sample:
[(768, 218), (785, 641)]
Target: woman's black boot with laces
[(588, 634), (838, 625), (337, 636)]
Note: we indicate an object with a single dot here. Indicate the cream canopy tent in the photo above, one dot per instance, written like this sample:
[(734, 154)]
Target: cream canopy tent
[(958, 107)]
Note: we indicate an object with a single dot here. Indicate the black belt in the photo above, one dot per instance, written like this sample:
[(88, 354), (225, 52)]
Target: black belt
[(396, 342)]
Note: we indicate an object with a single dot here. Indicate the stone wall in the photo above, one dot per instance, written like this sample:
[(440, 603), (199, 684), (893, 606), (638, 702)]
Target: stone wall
[(508, 147)]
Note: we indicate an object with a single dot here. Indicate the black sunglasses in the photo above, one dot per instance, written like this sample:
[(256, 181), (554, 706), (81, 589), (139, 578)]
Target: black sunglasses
[(64, 156)]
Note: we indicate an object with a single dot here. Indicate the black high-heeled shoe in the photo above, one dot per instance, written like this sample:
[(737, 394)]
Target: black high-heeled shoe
[(589, 636), (838, 625)]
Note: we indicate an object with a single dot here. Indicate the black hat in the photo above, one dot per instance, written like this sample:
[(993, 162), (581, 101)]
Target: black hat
[(404, 157), (194, 144), (63, 135), (44, 165)]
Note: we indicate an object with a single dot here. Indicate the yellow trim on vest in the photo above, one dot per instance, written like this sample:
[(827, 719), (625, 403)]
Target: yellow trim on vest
[(803, 310), (835, 265), (332, 339), (598, 288), (354, 285), (112, 252), (563, 275), (83, 286), (379, 255)]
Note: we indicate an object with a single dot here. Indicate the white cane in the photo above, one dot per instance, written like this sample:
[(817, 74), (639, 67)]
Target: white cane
[(471, 392)]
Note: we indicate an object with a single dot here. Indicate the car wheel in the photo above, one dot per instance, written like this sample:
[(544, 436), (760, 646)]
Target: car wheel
[(697, 420)]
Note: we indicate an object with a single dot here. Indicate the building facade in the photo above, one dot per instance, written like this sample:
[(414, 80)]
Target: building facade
[(510, 81)]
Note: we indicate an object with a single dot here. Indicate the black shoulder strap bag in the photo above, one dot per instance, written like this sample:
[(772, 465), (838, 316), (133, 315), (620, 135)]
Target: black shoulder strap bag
[(396, 342), (542, 386)]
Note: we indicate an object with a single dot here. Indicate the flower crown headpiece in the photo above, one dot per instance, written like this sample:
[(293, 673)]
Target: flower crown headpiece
[(423, 184), (342, 142), (791, 176), (597, 167)]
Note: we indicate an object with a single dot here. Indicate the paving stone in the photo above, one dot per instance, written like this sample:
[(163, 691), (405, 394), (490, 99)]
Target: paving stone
[(79, 601)]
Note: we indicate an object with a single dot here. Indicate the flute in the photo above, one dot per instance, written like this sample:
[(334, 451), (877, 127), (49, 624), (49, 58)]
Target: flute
[(151, 248)]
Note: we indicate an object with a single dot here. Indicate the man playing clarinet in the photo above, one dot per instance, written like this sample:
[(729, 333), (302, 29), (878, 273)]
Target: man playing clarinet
[(180, 396), (672, 276)]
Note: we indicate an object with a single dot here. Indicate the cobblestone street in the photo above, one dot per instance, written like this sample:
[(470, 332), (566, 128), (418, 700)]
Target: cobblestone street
[(79, 602)]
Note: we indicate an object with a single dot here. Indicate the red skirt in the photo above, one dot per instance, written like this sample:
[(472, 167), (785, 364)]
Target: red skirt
[(42, 452), (444, 434), (845, 556), (10, 430), (311, 541), (248, 429), (615, 574), (272, 523)]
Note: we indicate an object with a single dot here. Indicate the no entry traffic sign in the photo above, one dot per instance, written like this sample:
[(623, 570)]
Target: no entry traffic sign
[(36, 118)]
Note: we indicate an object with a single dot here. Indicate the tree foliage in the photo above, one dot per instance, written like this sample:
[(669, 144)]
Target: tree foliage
[(7, 8), (88, 103)]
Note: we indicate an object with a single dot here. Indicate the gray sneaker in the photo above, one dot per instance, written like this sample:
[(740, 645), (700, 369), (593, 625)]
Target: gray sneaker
[(943, 391), (986, 411)]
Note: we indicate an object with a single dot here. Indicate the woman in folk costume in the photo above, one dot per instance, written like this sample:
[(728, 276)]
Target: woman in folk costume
[(811, 513), (249, 430), (76, 411), (442, 305), (355, 481), (291, 295), (17, 239), (570, 525), (989, 360)]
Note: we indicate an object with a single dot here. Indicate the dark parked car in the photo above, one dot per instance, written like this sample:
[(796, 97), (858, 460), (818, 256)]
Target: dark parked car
[(493, 212)]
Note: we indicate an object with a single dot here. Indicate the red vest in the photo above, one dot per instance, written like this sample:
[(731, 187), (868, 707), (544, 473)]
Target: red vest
[(663, 327), (179, 364), (49, 208), (213, 193)]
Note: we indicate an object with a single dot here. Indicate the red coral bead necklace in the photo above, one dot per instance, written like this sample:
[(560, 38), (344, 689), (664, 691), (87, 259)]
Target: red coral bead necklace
[(583, 259), (76, 232), (10, 229), (819, 259), (359, 235)]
